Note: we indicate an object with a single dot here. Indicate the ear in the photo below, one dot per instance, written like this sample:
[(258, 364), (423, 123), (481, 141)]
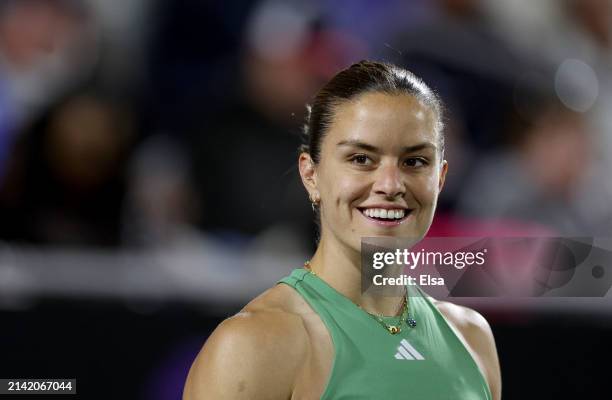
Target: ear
[(443, 171), (308, 174)]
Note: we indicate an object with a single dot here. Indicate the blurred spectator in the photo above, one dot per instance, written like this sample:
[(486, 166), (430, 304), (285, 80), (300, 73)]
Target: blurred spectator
[(65, 183), (161, 205), (125, 27), (584, 59), (575, 38), (540, 177), (45, 46)]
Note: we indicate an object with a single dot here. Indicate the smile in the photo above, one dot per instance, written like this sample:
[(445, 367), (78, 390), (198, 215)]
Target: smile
[(386, 216)]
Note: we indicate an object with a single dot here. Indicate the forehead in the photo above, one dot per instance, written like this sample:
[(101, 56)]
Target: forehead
[(384, 120)]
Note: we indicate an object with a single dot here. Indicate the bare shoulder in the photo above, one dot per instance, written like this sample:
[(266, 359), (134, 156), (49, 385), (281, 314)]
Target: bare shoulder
[(475, 332), (256, 353), (465, 319)]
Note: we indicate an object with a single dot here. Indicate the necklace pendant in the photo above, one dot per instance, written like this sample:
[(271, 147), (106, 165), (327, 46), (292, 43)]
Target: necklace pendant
[(393, 329), (411, 322)]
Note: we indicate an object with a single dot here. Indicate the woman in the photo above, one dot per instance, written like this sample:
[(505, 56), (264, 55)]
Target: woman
[(373, 166)]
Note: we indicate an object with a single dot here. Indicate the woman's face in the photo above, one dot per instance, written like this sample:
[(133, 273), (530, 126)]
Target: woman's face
[(380, 170)]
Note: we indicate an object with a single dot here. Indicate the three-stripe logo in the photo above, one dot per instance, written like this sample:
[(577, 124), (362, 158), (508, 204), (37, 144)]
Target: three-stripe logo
[(405, 351)]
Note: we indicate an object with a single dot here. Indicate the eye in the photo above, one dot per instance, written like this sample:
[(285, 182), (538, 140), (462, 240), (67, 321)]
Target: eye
[(360, 159), (415, 162)]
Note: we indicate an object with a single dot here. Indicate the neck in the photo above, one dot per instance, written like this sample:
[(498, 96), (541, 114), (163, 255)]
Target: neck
[(340, 267)]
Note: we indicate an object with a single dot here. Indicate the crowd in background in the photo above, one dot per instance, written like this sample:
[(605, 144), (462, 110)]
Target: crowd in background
[(149, 123), (159, 139)]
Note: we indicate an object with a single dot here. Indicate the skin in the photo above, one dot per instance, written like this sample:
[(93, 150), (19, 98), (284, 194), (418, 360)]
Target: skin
[(379, 149)]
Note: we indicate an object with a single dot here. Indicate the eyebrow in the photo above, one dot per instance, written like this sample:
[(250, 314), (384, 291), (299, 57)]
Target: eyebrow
[(369, 147)]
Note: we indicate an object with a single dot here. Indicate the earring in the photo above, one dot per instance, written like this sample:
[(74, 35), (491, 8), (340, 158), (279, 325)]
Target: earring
[(314, 203)]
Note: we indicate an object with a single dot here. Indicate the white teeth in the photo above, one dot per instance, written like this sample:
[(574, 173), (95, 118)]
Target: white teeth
[(383, 213)]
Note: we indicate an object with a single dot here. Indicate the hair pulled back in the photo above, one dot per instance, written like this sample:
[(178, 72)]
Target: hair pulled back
[(361, 78)]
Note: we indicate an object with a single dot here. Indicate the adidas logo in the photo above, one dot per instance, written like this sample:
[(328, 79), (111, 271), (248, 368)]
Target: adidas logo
[(405, 351)]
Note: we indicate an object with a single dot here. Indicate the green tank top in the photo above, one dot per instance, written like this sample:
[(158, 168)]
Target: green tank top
[(427, 362)]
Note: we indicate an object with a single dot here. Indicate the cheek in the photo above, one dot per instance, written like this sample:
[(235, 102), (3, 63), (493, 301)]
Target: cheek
[(349, 189), (425, 189), (342, 189)]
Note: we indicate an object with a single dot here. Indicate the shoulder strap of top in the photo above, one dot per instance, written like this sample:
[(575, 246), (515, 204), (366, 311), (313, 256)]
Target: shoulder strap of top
[(295, 276)]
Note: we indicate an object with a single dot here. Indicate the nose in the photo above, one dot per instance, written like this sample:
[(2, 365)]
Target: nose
[(389, 182)]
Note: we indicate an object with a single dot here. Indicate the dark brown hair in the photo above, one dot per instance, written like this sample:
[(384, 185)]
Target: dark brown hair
[(360, 78)]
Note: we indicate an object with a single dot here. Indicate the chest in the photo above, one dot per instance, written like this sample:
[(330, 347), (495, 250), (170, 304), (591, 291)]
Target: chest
[(425, 364)]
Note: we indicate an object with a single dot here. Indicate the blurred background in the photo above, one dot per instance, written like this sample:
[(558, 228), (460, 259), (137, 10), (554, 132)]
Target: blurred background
[(148, 181)]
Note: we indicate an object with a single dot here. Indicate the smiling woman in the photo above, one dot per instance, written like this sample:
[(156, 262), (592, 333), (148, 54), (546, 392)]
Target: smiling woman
[(376, 157), (373, 165)]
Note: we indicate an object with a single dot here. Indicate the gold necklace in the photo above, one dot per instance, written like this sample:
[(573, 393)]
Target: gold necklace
[(392, 329)]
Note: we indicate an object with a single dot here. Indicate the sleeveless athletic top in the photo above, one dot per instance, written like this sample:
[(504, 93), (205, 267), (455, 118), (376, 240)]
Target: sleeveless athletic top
[(427, 362)]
